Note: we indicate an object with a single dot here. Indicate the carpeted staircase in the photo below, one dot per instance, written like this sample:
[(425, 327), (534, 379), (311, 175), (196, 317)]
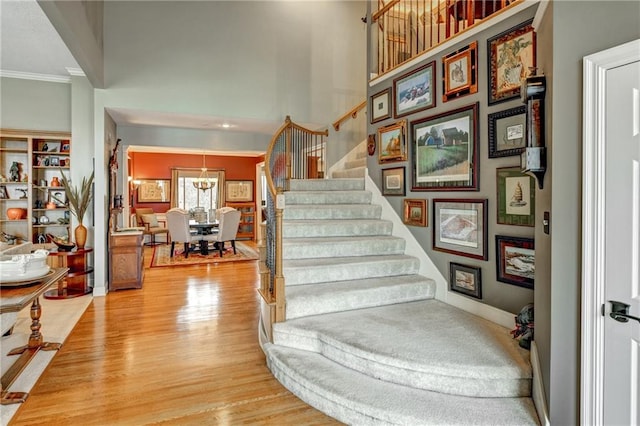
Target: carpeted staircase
[(366, 342)]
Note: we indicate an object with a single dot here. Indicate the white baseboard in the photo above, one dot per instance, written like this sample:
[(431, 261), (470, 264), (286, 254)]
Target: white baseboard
[(537, 391)]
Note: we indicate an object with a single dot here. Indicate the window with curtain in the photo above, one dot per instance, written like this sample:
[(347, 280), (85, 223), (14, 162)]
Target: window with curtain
[(186, 196)]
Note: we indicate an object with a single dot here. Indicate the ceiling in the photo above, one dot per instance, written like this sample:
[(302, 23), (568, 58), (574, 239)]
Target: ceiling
[(31, 48)]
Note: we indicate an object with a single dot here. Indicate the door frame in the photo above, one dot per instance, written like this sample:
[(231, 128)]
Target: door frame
[(595, 68)]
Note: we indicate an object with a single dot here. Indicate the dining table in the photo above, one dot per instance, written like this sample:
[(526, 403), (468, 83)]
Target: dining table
[(204, 228)]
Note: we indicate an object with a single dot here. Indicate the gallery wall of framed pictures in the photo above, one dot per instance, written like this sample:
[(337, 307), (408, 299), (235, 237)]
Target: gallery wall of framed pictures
[(451, 128)]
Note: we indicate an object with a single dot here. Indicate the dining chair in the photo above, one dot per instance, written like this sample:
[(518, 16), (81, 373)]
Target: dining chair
[(228, 222), (147, 218), (179, 230)]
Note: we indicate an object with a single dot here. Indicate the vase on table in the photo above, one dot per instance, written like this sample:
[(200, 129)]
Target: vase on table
[(81, 236)]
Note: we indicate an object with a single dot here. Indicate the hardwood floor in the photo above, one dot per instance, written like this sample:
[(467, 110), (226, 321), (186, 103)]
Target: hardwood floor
[(182, 350)]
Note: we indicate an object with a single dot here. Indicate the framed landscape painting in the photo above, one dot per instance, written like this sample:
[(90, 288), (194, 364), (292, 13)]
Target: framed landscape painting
[(512, 57), (415, 212), (515, 260), (414, 91), (444, 148), (392, 145), (465, 279), (393, 181), (460, 227), (154, 191)]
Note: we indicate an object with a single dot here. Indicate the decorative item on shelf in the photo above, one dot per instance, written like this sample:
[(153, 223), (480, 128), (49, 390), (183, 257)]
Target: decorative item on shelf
[(45, 147), (204, 182), (24, 193), (117, 202), (79, 198), (14, 172), (51, 205), (63, 220), (4, 194), (61, 243), (38, 204), (55, 181), (9, 239), (16, 213), (43, 220)]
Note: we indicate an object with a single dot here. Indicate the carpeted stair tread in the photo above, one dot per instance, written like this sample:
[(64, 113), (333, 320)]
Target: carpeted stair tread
[(309, 271), (305, 248), (355, 398), (349, 173), (425, 344), (336, 296), (346, 184), (327, 197), (332, 211), (335, 228)]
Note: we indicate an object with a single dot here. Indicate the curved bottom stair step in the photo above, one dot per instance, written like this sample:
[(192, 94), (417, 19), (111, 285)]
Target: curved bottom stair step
[(424, 344), (354, 398)]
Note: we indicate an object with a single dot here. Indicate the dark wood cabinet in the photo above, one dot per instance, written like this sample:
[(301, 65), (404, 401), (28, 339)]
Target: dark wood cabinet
[(76, 282), (126, 260)]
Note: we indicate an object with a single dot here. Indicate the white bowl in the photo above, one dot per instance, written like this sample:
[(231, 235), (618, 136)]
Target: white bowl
[(24, 266)]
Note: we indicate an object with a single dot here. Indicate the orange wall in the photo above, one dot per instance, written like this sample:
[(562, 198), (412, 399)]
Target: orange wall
[(147, 165)]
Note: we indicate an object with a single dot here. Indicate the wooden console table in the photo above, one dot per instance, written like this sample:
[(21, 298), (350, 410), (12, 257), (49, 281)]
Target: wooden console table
[(126, 260), (76, 283), (14, 299)]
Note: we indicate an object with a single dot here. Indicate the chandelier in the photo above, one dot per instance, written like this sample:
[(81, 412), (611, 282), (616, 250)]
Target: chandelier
[(204, 182)]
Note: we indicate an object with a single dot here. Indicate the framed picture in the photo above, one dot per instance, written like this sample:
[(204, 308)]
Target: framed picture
[(239, 190), (460, 227), (4, 194), (444, 151), (154, 191), (380, 107), (54, 161), (65, 147), (465, 279), (516, 197), (515, 260), (460, 72), (414, 91), (512, 57), (507, 131), (392, 143), (415, 212), (393, 181)]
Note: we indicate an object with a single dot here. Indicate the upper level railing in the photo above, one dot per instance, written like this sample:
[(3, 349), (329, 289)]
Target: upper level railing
[(294, 153), (404, 29)]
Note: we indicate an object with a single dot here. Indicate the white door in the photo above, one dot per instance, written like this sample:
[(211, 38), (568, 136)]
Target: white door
[(622, 246), (610, 236)]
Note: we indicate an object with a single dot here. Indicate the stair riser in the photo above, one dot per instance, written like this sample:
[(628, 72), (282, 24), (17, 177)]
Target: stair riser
[(336, 229), (370, 247), (358, 299), (327, 185), (327, 197), (362, 162), (349, 173), (298, 212), (351, 271)]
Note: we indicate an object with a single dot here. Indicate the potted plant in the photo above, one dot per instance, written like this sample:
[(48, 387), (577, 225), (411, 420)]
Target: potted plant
[(78, 199)]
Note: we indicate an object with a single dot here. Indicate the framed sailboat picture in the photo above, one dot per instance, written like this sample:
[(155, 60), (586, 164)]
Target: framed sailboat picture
[(516, 197)]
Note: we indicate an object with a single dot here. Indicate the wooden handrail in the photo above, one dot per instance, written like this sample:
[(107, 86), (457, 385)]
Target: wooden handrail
[(384, 10), (353, 114)]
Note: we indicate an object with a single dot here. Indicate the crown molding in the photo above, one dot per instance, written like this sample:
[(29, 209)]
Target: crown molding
[(75, 72), (35, 76)]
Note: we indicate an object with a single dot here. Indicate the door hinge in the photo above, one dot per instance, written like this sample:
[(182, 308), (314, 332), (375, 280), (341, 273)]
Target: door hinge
[(602, 310)]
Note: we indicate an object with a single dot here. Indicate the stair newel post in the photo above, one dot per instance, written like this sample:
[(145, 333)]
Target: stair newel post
[(279, 277)]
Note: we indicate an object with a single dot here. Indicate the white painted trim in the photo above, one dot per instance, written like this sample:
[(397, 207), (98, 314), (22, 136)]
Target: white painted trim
[(537, 388), (453, 41), (75, 72), (595, 68), (542, 9), (488, 312), (34, 76)]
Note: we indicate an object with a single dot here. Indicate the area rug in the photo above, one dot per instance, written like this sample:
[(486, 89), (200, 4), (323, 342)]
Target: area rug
[(161, 256)]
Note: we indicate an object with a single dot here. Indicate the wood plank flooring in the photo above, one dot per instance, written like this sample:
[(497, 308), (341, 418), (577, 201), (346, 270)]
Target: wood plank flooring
[(181, 350)]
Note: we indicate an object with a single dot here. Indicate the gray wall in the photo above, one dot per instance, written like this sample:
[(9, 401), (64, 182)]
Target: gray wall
[(35, 105), (579, 28), (501, 295), (249, 59)]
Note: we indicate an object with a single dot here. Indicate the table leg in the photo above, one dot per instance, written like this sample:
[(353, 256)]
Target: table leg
[(26, 352), (204, 247)]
